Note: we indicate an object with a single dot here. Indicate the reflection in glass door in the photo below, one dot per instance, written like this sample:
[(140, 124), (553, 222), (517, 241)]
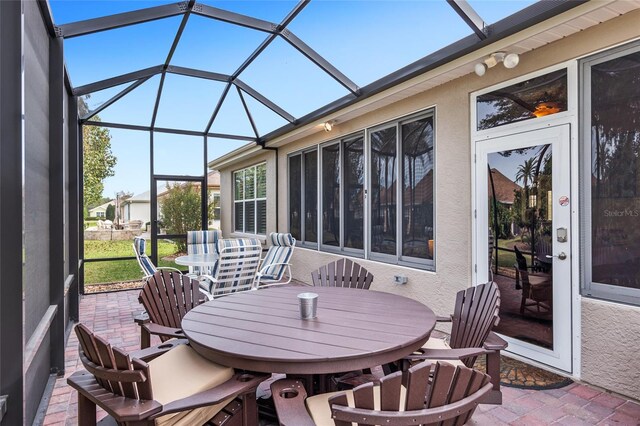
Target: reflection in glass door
[(519, 198), (523, 210)]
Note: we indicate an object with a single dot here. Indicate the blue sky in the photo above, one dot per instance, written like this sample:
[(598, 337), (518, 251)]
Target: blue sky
[(365, 40)]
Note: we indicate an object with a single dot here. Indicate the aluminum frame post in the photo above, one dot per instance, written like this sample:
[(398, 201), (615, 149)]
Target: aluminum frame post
[(470, 17), (74, 202), (56, 202), (11, 212)]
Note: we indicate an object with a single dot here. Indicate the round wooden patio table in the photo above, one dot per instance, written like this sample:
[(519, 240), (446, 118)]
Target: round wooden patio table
[(262, 330)]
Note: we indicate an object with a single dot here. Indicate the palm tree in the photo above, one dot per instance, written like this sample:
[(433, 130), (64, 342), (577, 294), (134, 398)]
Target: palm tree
[(526, 171)]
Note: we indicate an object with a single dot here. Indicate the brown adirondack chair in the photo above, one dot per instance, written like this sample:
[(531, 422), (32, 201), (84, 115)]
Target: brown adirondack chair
[(167, 296), (342, 273), (537, 290), (475, 314), (168, 385), (451, 396)]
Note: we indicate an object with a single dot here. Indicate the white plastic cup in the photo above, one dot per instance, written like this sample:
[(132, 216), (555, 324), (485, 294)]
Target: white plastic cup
[(308, 305)]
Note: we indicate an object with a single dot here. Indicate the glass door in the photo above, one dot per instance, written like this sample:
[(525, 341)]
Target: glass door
[(523, 221)]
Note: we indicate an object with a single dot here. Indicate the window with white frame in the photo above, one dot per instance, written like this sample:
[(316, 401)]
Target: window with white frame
[(396, 199), (250, 200), (610, 174)]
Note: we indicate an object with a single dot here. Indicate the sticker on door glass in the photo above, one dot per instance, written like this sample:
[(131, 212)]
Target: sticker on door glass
[(563, 201)]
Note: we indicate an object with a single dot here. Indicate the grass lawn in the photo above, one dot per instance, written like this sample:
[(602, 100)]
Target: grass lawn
[(119, 270), (505, 258)]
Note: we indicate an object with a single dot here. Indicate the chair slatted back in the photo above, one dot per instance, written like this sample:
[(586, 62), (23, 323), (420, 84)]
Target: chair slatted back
[(139, 247), (237, 266), (476, 313), (278, 255), (113, 368), (342, 273), (450, 398), (199, 242), (168, 296)]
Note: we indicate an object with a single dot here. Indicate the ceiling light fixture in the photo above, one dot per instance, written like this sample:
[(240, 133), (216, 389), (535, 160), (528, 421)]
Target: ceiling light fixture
[(328, 125), (509, 60)]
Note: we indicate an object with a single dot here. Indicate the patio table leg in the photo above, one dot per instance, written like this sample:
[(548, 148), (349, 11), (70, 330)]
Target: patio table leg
[(307, 379)]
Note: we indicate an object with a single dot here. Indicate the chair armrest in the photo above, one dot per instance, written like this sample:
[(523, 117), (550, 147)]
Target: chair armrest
[(261, 271), (170, 268), (444, 354), (161, 330), (495, 342), (240, 383), (208, 277), (120, 408), (206, 294), (148, 354), (444, 319), (288, 397), (142, 318)]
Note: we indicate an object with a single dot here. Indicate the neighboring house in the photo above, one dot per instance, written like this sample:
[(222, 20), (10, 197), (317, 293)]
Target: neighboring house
[(136, 208), (101, 210), (504, 187), (504, 190), (574, 67)]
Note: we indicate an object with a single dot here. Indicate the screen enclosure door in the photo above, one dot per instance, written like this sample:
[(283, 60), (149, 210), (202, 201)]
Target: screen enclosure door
[(177, 208), (523, 221)]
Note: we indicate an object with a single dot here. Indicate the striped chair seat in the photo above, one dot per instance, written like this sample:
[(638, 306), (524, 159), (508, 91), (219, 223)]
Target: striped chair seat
[(276, 262), (199, 242), (148, 268), (236, 269)]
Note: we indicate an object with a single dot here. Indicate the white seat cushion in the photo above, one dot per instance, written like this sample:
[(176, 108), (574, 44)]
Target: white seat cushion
[(180, 373), (320, 411), (436, 343)]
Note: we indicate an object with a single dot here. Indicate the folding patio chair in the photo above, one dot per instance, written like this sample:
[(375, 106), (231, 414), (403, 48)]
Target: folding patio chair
[(148, 268), (199, 242), (276, 262), (237, 268)]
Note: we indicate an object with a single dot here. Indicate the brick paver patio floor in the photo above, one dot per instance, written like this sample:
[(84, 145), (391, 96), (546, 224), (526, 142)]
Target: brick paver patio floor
[(111, 316)]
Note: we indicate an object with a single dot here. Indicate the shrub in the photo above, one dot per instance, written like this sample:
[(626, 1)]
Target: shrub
[(180, 210)]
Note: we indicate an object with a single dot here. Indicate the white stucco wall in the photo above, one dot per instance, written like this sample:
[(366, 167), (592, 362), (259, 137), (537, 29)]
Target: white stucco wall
[(610, 346), (600, 321), (138, 211)]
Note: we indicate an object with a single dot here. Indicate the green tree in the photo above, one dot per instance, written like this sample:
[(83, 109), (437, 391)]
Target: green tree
[(526, 172), (97, 159), (180, 210), (504, 217), (111, 212)]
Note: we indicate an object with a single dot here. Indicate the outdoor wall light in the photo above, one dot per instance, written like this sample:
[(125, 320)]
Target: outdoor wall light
[(509, 60), (328, 125)]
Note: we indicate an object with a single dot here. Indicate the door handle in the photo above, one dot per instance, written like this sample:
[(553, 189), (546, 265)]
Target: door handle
[(561, 256)]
